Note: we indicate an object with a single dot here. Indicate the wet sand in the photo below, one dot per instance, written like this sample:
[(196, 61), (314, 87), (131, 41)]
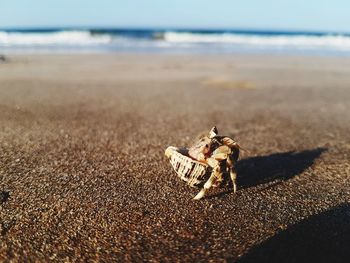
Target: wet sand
[(83, 174)]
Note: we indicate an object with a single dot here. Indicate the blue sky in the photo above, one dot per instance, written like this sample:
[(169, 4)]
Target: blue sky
[(321, 15)]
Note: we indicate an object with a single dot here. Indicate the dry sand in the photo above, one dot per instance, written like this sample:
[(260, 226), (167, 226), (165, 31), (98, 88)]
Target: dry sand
[(83, 174)]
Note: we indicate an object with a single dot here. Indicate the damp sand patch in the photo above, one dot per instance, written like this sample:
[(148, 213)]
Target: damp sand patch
[(228, 84)]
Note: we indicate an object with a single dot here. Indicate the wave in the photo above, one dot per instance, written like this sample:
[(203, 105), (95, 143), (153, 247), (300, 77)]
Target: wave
[(53, 38), (153, 40), (296, 41)]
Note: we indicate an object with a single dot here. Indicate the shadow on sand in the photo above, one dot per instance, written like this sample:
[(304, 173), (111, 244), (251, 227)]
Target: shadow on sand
[(275, 167), (321, 238)]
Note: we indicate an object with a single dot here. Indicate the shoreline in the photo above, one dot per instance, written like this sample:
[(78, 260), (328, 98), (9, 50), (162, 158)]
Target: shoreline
[(262, 53)]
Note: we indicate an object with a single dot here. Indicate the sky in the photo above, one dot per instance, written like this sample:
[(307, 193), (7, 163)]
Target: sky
[(310, 15)]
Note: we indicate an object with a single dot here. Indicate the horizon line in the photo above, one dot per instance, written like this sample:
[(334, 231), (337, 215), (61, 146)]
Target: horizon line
[(169, 28)]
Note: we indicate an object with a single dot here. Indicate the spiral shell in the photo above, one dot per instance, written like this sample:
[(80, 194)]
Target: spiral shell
[(193, 172)]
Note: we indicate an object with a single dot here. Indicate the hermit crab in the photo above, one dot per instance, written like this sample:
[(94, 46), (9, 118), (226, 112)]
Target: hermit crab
[(208, 162)]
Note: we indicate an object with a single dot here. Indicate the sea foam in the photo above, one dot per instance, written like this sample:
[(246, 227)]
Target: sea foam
[(296, 41), (188, 41), (53, 38)]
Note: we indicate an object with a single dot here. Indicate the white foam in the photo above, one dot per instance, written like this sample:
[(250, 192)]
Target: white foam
[(296, 41), (84, 40), (54, 38)]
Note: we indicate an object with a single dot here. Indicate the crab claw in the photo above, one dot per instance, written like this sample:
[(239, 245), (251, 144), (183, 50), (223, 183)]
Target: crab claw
[(230, 142), (221, 153)]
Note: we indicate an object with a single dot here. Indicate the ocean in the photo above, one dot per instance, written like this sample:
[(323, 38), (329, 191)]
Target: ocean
[(104, 40)]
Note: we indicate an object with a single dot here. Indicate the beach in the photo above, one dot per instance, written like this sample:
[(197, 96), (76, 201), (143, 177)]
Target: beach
[(83, 174)]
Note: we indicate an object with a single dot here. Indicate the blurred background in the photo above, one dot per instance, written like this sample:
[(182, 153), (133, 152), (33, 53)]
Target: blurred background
[(92, 92), (224, 26)]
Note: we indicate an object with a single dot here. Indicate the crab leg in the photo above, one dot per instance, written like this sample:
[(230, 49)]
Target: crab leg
[(207, 185), (233, 174), (233, 178), (215, 175)]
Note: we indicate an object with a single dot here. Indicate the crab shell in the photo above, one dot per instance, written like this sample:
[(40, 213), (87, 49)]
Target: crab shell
[(197, 172), (207, 163), (191, 171)]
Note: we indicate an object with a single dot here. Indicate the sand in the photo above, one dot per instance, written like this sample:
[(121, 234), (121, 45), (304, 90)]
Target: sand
[(83, 174)]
